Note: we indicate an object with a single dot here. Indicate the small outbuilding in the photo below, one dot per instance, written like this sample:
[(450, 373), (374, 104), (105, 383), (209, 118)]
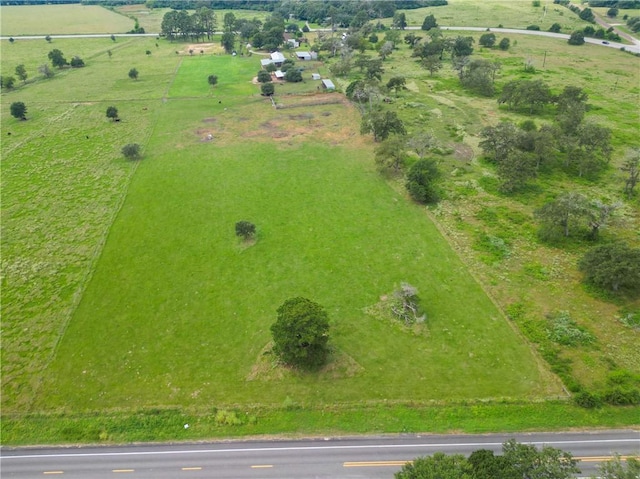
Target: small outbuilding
[(265, 61), (328, 85), (279, 74), (315, 76), (304, 56)]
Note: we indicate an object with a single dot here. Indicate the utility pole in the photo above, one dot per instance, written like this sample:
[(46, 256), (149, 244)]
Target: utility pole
[(544, 59)]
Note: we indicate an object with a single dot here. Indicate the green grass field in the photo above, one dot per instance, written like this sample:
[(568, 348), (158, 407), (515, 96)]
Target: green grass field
[(176, 312), (125, 288), (61, 19)]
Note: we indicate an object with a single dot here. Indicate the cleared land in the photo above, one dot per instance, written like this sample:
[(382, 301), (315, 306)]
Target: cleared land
[(152, 302), (61, 19)]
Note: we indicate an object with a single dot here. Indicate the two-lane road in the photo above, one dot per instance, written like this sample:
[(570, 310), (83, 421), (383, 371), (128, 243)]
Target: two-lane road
[(335, 458)]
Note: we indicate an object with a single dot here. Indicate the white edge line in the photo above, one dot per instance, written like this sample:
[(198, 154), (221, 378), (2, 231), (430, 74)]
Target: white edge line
[(313, 448)]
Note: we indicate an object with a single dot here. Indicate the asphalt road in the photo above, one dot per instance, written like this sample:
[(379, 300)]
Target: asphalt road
[(635, 48), (335, 458)]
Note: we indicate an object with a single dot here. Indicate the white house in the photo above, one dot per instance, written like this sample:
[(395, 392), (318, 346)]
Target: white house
[(277, 58)]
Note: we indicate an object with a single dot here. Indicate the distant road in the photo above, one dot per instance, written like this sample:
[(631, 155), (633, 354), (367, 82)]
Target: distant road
[(632, 48), (335, 458)]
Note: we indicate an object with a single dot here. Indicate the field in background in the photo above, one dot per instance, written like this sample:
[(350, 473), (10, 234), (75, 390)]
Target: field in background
[(61, 19)]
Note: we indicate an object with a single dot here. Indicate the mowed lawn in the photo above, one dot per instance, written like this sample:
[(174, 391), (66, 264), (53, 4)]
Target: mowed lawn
[(178, 310), (61, 19)]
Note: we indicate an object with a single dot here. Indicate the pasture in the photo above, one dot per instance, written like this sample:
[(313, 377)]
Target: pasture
[(61, 19), (125, 288)]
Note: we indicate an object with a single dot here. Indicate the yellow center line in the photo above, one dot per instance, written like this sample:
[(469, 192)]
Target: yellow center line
[(261, 466), (601, 458), (123, 470), (191, 468), (375, 463), (53, 472)]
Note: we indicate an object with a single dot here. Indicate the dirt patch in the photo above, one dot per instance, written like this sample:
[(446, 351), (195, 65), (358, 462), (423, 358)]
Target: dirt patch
[(463, 152), (202, 48), (205, 134), (303, 116), (209, 120)]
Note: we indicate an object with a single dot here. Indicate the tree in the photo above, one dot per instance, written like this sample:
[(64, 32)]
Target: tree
[(374, 69), (131, 151), (48, 38), (478, 75), (385, 50), (46, 70), (432, 63), (421, 180), (421, 143), (571, 106), (576, 38), (486, 465), (616, 468), (487, 40), (527, 462), (228, 22), (599, 215), (112, 113), (228, 41), (390, 155), (499, 140), (559, 215), (245, 229), (21, 73), (612, 266), (301, 333), (429, 23), (7, 82), (504, 44), (57, 58), (587, 15), (438, 466), (555, 28), (589, 150), (264, 76), (396, 83), (212, 80), (400, 20), (382, 124), (515, 171), (462, 46), (632, 167), (293, 75), (612, 12), (77, 62), (133, 74), (267, 89), (19, 110)]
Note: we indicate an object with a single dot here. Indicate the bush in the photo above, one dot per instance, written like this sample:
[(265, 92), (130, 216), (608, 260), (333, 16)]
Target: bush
[(504, 44), (613, 267), (555, 28), (533, 27), (77, 62), (619, 396), (564, 330), (267, 89), (587, 400), (421, 181), (131, 151), (245, 229), (576, 38)]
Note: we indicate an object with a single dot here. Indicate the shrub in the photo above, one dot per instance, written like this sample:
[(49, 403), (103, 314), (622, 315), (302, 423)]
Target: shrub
[(245, 229), (504, 44), (587, 400), (533, 27), (421, 181), (267, 89), (77, 62), (555, 28), (131, 151), (564, 330)]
